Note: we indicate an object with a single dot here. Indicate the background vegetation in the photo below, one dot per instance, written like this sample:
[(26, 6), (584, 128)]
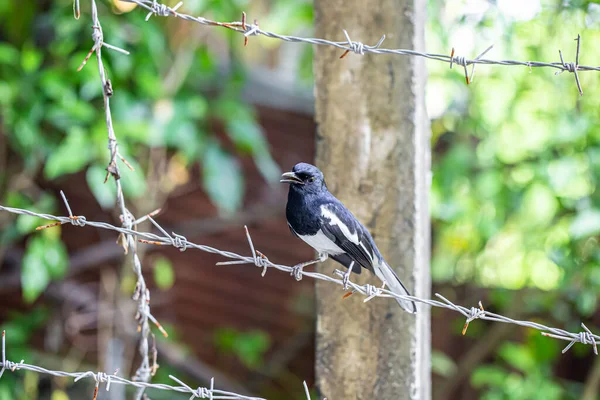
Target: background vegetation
[(516, 157)]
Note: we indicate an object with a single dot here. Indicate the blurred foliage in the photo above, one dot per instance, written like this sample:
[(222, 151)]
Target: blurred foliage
[(248, 347), (521, 372), (20, 328), (441, 364), (54, 122), (164, 275), (515, 169), (169, 94), (516, 153), (45, 258)]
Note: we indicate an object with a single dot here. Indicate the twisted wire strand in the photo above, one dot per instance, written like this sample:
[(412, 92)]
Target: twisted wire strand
[(143, 374), (142, 295), (155, 8), (260, 260), (104, 378)]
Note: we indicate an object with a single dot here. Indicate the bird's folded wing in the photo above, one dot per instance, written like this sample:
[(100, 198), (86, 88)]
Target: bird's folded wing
[(339, 225)]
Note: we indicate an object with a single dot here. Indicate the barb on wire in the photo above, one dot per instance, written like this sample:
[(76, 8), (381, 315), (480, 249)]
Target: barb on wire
[(306, 391), (586, 337), (76, 9), (103, 378), (98, 37), (154, 7), (358, 47), (464, 62), (572, 67), (142, 295), (162, 10), (368, 291), (472, 314)]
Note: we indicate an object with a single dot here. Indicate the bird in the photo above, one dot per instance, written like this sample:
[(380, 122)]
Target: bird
[(321, 220)]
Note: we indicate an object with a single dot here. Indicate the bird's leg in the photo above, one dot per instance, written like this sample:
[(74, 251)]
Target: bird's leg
[(346, 278), (296, 271)]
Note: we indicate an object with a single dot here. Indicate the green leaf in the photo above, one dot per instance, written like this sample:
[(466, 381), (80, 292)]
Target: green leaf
[(28, 223), (22, 326), (305, 70), (27, 135), (225, 338), (287, 17), (248, 137), (222, 179), (8, 54), (539, 204), (53, 86), (586, 302), (246, 134), (196, 107), (250, 347), (45, 258), (18, 200), (182, 134), (5, 392), (31, 58), (518, 356), (7, 95), (164, 276), (34, 274), (267, 167), (105, 194), (71, 155), (441, 364), (56, 258), (488, 375), (545, 350), (59, 395)]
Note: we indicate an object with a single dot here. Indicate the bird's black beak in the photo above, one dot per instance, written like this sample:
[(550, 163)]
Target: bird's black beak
[(290, 177)]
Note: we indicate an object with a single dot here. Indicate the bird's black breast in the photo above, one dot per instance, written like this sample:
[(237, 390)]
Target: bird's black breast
[(303, 213)]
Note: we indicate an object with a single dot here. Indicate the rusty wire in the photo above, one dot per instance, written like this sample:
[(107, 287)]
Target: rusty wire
[(260, 260), (108, 379), (156, 8), (141, 294), (128, 236)]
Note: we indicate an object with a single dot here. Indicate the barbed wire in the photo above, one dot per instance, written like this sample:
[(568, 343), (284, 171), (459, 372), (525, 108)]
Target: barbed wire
[(260, 260), (141, 293), (128, 236), (252, 29), (307, 392), (111, 379)]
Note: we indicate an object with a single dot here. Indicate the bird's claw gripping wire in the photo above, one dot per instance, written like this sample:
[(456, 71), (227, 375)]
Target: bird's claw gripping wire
[(346, 277), (297, 269)]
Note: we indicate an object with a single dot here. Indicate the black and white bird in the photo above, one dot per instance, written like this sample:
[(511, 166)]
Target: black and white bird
[(324, 223)]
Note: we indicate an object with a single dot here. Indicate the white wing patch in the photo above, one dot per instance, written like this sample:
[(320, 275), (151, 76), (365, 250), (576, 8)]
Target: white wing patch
[(321, 243), (334, 220), (367, 252)]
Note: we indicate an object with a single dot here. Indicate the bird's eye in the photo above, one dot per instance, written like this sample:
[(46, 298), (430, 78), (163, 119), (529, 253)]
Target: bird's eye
[(311, 179)]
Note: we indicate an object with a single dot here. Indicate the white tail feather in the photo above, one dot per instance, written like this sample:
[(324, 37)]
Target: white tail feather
[(387, 274)]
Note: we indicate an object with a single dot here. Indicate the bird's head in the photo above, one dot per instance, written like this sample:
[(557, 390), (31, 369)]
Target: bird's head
[(305, 177)]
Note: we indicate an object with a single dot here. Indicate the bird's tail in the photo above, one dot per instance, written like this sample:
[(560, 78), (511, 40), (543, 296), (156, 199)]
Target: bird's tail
[(396, 286)]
